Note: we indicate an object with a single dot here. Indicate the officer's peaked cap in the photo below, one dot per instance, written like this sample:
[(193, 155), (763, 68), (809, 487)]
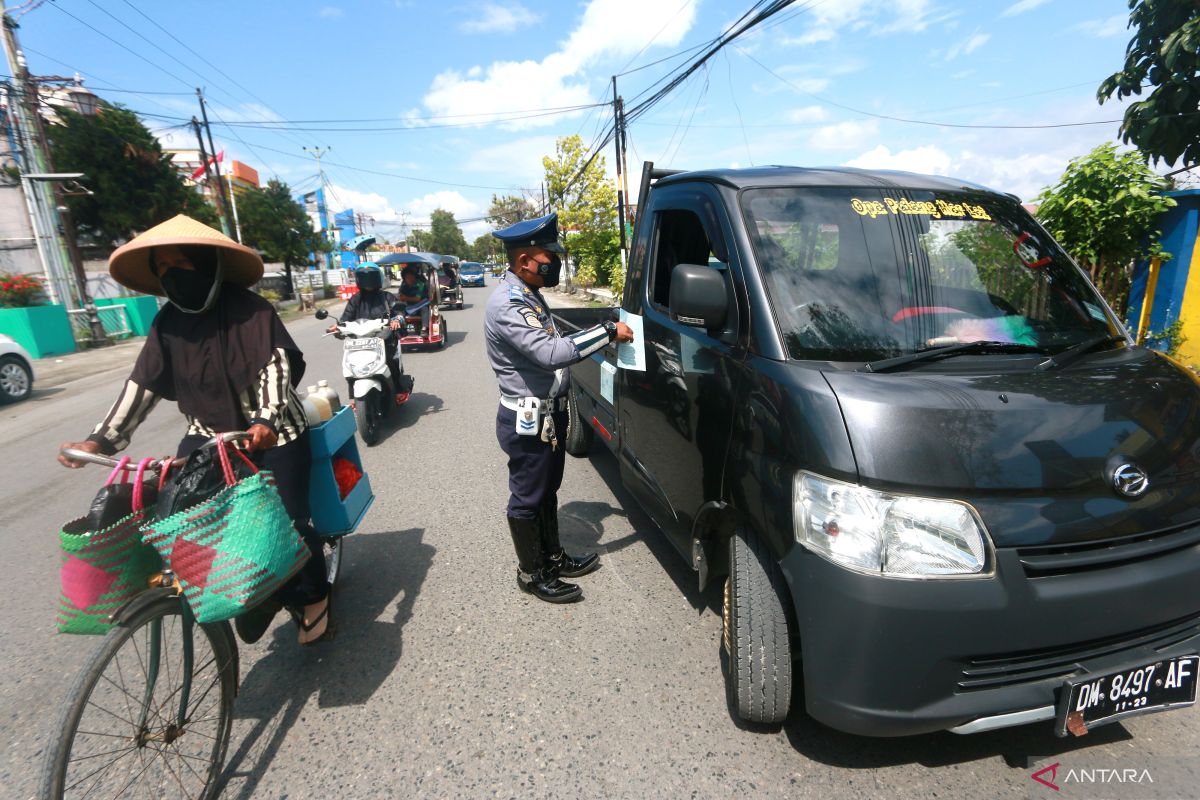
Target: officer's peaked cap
[(541, 232)]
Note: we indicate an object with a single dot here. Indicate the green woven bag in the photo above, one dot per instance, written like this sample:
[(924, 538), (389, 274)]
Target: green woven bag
[(103, 569), (233, 550)]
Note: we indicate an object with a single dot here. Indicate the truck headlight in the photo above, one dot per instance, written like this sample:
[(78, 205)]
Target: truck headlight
[(888, 534)]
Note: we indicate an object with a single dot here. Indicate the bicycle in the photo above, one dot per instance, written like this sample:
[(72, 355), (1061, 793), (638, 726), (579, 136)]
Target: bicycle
[(152, 709)]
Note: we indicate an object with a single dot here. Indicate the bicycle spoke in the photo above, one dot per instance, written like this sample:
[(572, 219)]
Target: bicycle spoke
[(94, 772), (167, 764), (121, 675), (127, 694), (128, 722), (105, 753), (134, 778)]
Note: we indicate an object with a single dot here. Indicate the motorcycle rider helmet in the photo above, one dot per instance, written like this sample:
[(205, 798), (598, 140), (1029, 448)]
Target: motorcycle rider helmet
[(368, 277)]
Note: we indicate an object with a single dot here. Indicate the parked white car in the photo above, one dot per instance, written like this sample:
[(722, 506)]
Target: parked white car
[(16, 371)]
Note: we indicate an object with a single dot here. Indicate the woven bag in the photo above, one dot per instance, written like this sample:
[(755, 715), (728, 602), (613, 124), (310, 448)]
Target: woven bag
[(103, 569), (233, 550)]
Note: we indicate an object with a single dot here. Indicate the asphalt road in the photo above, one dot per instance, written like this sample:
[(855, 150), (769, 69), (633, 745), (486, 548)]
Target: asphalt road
[(446, 681)]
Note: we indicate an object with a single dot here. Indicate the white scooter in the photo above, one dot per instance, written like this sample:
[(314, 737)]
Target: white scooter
[(372, 386)]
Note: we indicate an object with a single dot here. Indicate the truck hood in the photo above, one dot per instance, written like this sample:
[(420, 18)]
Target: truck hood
[(1029, 448)]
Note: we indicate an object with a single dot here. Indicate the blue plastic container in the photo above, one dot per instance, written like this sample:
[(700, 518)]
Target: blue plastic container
[(333, 515)]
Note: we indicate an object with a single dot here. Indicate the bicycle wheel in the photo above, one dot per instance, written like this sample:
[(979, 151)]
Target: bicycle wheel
[(150, 713)]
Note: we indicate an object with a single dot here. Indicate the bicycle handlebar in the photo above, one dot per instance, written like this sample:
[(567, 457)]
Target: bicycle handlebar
[(107, 461)]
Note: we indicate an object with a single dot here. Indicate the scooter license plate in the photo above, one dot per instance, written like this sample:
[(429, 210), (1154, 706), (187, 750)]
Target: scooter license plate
[(363, 344), (1092, 700)]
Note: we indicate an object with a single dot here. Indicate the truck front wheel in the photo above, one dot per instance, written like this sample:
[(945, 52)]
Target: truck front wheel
[(579, 433), (756, 633)]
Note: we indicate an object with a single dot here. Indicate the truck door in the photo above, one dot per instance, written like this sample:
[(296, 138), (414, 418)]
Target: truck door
[(677, 414)]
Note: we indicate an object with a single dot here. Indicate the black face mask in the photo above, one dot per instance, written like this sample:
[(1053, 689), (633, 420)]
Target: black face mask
[(192, 290), (550, 271)]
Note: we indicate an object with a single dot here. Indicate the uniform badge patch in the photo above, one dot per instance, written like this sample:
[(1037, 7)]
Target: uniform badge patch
[(531, 318)]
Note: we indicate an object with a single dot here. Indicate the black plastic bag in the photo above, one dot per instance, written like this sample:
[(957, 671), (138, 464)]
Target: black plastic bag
[(115, 501), (198, 480)]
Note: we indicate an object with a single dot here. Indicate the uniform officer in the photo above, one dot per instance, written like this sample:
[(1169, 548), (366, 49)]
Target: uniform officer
[(530, 359)]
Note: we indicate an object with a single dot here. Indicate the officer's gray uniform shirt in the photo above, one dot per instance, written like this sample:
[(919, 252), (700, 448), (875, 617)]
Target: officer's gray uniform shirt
[(523, 345)]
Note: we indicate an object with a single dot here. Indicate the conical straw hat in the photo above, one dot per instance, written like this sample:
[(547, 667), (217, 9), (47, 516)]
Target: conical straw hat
[(130, 263)]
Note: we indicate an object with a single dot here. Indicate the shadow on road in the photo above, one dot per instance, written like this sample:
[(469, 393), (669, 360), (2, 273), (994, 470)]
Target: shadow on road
[(581, 524), (454, 337), (383, 574)]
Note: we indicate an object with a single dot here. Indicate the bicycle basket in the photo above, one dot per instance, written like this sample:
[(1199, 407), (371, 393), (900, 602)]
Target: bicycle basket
[(232, 550), (104, 568)]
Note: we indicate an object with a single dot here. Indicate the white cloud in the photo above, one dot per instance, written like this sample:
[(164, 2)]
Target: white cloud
[(519, 157), (808, 114), (604, 32), (966, 73), (929, 160), (849, 135), (1022, 6), (498, 18), (372, 204), (879, 17), (1103, 28), (968, 45), (330, 12)]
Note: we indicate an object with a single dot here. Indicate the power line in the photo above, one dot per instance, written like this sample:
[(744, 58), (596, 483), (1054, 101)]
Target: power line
[(123, 46), (932, 123)]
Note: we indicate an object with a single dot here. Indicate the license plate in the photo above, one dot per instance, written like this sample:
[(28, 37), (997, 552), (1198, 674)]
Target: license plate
[(363, 344), (1092, 700)]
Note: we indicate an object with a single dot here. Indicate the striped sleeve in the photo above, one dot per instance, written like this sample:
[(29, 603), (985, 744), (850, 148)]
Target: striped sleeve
[(590, 341), (133, 405), (273, 388)]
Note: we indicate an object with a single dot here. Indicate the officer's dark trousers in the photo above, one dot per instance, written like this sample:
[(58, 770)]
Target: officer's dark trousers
[(290, 463), (535, 471)]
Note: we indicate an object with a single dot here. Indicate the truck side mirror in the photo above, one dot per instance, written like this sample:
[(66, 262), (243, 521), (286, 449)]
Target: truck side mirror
[(698, 296)]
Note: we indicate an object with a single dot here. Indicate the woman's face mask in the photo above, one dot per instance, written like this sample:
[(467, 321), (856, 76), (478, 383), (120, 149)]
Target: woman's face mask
[(191, 284)]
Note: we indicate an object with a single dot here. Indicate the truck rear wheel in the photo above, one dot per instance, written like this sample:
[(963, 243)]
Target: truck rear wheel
[(579, 435), (756, 633)]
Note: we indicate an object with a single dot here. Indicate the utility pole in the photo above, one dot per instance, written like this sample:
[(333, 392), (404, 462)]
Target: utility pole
[(629, 214), (322, 182), (222, 206), (52, 217), (617, 145)]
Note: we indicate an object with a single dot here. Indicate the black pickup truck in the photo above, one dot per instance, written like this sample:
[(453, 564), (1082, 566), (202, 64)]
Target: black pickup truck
[(945, 487)]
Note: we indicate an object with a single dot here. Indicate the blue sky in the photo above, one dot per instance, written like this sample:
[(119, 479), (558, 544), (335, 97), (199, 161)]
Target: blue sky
[(442, 82)]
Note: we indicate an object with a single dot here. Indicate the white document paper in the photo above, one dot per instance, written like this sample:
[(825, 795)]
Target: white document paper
[(607, 373), (632, 355)]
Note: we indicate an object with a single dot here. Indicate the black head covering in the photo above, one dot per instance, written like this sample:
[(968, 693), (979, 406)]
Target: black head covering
[(205, 362)]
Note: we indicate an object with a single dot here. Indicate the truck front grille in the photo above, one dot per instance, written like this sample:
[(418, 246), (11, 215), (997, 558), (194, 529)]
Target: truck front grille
[(997, 671), (1041, 561)]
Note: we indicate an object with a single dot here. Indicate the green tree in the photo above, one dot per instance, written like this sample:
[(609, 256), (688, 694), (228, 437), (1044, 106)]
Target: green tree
[(276, 224), (487, 248), (510, 209), (420, 241), (586, 201), (1164, 53), (446, 238), (1103, 211), (134, 184)]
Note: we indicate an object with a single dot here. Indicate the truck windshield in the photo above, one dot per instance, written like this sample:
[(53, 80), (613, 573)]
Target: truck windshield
[(859, 274)]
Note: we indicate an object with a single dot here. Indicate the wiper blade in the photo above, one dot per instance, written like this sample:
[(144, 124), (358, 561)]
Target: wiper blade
[(964, 348), (1075, 352)]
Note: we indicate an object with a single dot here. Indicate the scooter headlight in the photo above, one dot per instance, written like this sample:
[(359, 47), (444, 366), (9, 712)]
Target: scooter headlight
[(888, 534), (365, 361)]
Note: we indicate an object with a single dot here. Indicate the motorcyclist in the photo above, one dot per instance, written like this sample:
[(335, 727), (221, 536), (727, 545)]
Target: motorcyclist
[(373, 302)]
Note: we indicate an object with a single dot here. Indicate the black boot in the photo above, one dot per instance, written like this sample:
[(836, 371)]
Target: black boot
[(535, 576), (563, 564)]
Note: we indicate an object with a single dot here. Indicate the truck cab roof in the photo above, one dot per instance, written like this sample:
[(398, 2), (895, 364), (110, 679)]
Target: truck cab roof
[(823, 176)]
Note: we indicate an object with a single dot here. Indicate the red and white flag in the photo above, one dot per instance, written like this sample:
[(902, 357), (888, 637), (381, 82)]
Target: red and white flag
[(198, 175)]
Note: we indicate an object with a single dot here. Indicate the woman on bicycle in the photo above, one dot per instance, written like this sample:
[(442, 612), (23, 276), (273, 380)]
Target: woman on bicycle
[(222, 353)]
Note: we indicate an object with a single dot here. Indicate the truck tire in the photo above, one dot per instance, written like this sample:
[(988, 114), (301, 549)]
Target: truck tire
[(756, 633), (578, 439)]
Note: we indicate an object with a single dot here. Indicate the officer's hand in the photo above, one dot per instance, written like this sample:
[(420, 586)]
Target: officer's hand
[(86, 446), (624, 333), (395, 324), (261, 438), (332, 328)]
